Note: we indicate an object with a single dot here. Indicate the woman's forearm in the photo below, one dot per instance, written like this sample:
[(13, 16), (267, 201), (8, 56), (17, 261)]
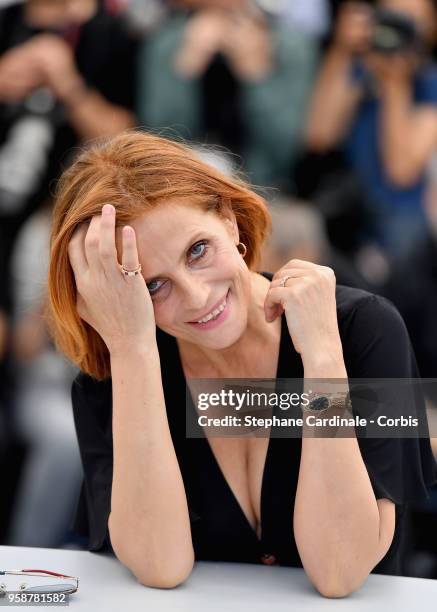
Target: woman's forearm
[(149, 522), (333, 102), (336, 515)]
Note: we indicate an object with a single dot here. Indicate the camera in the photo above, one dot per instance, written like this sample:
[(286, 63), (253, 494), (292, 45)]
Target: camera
[(394, 32)]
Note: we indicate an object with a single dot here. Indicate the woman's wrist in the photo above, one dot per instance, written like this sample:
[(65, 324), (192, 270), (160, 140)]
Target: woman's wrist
[(124, 350), (325, 362)]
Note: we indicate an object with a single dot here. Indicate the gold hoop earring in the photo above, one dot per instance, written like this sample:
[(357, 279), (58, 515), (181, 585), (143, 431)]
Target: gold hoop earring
[(242, 249)]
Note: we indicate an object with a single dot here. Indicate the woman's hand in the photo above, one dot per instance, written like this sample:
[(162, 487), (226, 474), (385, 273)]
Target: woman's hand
[(308, 300), (118, 307)]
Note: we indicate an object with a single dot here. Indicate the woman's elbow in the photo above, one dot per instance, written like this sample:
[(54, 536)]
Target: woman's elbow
[(165, 579), (335, 587), (157, 569), (333, 591)]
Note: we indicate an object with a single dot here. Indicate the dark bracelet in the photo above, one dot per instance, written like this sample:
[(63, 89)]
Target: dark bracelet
[(321, 402)]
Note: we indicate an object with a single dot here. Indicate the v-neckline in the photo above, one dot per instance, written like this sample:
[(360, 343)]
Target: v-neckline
[(281, 356)]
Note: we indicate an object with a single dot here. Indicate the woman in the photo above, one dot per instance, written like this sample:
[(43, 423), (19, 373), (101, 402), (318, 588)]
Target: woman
[(165, 500)]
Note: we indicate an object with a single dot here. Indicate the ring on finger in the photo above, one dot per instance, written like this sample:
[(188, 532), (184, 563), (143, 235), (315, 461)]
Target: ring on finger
[(134, 272), (284, 280)]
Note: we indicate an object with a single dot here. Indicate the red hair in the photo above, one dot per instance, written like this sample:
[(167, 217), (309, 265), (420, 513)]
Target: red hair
[(134, 171)]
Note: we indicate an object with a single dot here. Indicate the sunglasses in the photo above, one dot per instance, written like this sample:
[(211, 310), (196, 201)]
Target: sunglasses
[(37, 581)]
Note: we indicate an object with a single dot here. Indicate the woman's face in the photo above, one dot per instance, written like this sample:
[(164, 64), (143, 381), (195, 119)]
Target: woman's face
[(192, 267)]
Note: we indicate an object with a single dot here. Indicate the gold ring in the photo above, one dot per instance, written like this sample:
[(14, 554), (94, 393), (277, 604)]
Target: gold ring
[(131, 272)]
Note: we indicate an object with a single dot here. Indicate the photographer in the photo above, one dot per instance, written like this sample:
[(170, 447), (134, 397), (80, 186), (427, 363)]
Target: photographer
[(376, 97), (228, 73), (66, 76)]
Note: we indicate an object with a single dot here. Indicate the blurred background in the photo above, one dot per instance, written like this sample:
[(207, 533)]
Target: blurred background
[(329, 108)]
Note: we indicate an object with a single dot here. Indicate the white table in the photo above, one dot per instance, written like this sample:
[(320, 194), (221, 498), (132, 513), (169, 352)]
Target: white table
[(106, 585)]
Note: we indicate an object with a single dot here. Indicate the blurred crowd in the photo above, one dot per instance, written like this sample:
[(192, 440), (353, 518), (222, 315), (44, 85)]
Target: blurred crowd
[(329, 108)]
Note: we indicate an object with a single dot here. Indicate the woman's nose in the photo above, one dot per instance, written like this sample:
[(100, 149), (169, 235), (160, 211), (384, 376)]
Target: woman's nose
[(196, 296)]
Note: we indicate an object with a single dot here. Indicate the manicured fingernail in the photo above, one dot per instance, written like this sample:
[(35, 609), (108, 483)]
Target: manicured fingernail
[(107, 209), (128, 231)]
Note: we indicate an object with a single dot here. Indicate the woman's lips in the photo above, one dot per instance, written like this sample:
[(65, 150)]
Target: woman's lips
[(212, 323)]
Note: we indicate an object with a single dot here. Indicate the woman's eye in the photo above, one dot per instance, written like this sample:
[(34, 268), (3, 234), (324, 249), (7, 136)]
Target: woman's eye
[(154, 285), (199, 249)]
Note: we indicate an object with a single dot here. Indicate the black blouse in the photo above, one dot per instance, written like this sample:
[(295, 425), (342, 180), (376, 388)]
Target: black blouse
[(375, 345)]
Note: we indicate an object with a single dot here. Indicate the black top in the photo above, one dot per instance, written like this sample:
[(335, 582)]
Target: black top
[(375, 345)]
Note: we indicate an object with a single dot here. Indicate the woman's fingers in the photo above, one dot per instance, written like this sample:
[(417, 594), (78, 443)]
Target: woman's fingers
[(278, 278), (130, 258), (76, 251), (92, 244), (294, 264), (274, 302), (99, 251), (107, 248)]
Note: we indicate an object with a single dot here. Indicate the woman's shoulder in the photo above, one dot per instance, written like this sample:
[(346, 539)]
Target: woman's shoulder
[(89, 394), (363, 305), (92, 406), (350, 299), (368, 315), (374, 336)]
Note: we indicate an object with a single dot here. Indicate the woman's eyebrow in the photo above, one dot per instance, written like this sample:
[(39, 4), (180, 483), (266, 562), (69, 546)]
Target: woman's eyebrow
[(191, 241)]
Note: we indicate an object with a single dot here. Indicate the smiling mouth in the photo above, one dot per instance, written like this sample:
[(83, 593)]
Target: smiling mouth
[(213, 314)]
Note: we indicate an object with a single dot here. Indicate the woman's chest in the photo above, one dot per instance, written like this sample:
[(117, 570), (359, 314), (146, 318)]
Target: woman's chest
[(241, 459), (236, 463), (243, 498), (241, 462)]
